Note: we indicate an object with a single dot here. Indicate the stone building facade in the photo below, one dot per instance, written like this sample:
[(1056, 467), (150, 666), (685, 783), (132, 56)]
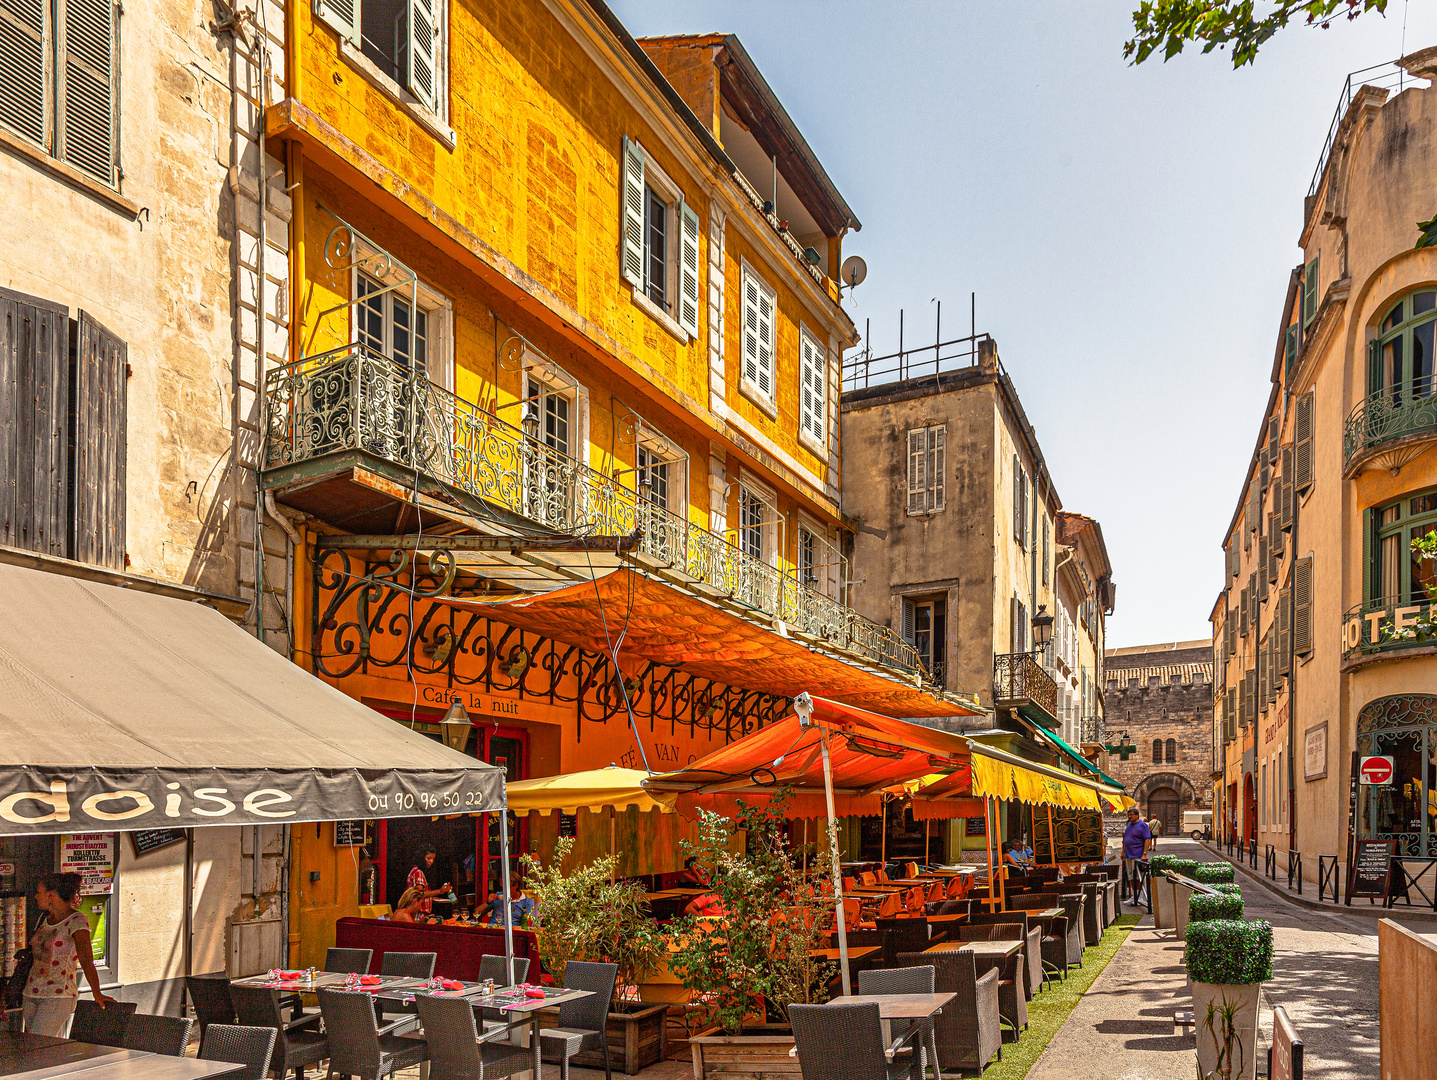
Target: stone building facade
[(1159, 698)]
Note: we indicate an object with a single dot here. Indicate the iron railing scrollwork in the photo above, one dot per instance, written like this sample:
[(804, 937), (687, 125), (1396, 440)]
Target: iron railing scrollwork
[(354, 399), (1019, 678), (1387, 415)]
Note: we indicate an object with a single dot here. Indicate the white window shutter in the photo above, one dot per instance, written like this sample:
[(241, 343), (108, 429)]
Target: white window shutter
[(423, 53), (750, 328), (25, 43), (917, 470), (937, 450), (631, 217), (812, 392), (688, 269), (765, 341), (341, 16), (88, 88)]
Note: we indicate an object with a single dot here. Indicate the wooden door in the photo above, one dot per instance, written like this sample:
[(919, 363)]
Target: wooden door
[(1163, 804)]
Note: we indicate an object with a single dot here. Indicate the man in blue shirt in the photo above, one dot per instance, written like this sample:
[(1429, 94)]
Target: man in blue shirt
[(1137, 842)]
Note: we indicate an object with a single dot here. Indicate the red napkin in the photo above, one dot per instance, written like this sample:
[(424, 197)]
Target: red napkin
[(533, 993), (369, 980), (450, 984), (291, 974)]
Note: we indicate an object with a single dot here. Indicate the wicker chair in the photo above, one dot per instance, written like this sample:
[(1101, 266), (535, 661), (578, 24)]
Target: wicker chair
[(583, 1024), (105, 1027), (907, 980), (1075, 906), (1032, 939), (845, 1042), (210, 996), (969, 1030), (902, 935), (296, 1045), (1013, 982), (358, 1046), (247, 1046), (455, 1052), (413, 965), (348, 961), (492, 966), (167, 1035)]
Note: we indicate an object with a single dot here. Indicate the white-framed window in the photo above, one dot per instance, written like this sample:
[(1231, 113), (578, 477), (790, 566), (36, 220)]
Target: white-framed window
[(661, 468), (653, 477), (659, 252), (750, 523), (760, 306), (813, 392), (400, 45), (808, 557), (412, 325), (926, 468), (554, 409)]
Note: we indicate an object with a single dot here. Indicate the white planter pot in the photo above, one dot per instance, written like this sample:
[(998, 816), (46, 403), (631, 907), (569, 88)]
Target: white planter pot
[(1181, 895), (1243, 1055), (1162, 892)]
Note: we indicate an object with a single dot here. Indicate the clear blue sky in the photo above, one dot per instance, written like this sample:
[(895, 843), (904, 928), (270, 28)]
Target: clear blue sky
[(1128, 231)]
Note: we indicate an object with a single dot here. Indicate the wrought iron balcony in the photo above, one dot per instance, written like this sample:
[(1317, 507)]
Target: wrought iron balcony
[(1093, 729), (356, 400), (1386, 625), (1390, 428), (1019, 682)]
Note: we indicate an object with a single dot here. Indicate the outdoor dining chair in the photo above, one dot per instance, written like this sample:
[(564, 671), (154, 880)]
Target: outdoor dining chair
[(413, 965), (210, 998), (868, 877), (492, 966), (348, 961), (583, 1023), (247, 1046), (358, 1046), (955, 888), (455, 1052), (902, 935), (104, 1027), (935, 892), (916, 979), (168, 1035), (969, 1031), (297, 1043), (846, 1040), (1032, 939), (1012, 982)]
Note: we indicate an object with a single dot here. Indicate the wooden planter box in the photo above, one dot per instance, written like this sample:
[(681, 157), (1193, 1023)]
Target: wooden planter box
[(636, 1039), (745, 1057)]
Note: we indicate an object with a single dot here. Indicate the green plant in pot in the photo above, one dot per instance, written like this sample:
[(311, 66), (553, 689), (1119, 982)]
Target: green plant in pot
[(1213, 873), (756, 953), (1206, 908), (1228, 960)]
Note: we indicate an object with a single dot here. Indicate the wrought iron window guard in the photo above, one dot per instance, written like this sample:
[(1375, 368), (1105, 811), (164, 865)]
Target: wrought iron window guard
[(1019, 679), (353, 398)]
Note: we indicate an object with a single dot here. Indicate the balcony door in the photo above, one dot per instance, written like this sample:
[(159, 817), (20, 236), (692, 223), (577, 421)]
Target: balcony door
[(1401, 364), (548, 459), (924, 627)]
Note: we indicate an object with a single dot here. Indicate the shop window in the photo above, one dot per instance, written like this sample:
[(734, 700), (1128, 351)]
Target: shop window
[(1403, 727), (1397, 575)]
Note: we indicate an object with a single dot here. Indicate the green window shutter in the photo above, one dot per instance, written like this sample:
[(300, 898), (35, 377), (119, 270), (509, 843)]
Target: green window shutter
[(688, 304), (1369, 550), (26, 83), (1284, 631), (424, 53), (1264, 556), (1242, 612), (1309, 292), (1290, 351), (1287, 502), (1264, 477), (1302, 606), (88, 104), (341, 16), (631, 216), (1302, 477), (1374, 366)]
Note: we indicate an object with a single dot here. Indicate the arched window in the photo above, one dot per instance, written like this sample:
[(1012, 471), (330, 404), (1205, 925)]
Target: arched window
[(1157, 751), (1403, 727), (1401, 361), (1172, 751)]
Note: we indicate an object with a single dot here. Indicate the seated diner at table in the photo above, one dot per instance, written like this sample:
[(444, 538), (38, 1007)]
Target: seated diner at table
[(410, 908), (520, 907)]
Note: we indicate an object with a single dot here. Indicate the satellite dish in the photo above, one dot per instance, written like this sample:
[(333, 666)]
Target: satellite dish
[(853, 271)]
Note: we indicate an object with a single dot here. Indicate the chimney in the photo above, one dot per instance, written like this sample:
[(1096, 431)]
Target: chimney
[(988, 356)]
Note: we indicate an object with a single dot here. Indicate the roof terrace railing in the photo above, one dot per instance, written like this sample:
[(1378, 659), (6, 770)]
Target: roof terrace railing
[(1383, 76)]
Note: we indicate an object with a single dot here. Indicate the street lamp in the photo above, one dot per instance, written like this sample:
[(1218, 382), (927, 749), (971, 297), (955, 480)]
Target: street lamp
[(455, 726), (1042, 628)]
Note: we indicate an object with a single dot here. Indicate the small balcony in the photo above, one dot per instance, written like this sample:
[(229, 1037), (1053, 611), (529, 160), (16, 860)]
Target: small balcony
[(354, 410), (1385, 626), (1019, 682), (1389, 429), (1093, 729)]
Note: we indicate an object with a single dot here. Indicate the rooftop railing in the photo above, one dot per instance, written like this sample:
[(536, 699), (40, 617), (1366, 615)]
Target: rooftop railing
[(1386, 76), (354, 399)]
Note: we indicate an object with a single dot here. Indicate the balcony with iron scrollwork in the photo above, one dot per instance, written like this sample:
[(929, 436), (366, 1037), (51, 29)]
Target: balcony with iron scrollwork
[(1093, 729), (355, 408), (1020, 683), (1390, 428)]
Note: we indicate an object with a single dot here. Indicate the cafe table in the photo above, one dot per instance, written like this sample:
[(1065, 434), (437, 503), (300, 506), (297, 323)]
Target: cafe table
[(515, 1001), (947, 920), (899, 1007), (26, 1056)]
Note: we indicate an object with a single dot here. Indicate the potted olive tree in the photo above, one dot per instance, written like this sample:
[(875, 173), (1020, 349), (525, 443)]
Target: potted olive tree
[(586, 915), (1228, 960), (752, 961)]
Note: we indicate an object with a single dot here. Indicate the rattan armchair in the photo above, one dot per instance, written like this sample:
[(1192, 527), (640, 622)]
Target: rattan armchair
[(247, 1046), (455, 1052), (1013, 980), (358, 1046), (1032, 942), (167, 1035), (969, 1031), (844, 1041), (916, 979), (583, 1024)]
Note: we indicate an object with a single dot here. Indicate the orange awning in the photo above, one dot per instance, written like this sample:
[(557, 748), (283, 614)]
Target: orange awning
[(655, 621), (869, 753)]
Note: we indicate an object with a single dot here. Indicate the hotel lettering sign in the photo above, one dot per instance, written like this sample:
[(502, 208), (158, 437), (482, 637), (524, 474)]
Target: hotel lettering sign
[(1370, 630)]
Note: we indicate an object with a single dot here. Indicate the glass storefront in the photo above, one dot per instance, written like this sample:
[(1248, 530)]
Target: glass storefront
[(1403, 727)]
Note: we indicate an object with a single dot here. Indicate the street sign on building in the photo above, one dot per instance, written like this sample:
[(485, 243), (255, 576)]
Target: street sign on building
[(1376, 769)]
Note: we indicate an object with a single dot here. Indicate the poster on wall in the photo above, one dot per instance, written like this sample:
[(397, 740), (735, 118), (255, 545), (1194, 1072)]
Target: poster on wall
[(1314, 752), (92, 856)]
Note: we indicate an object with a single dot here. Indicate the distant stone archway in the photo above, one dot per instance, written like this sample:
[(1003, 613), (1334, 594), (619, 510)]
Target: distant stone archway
[(1176, 781)]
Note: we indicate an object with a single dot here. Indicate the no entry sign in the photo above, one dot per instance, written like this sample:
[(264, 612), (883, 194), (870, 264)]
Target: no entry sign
[(1376, 770)]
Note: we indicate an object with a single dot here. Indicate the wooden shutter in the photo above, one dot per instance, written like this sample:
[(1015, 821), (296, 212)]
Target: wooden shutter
[(631, 221), (88, 87), (1369, 569), (341, 16), (1272, 638), (1264, 476), (97, 449), (423, 53), (1232, 632), (1230, 717), (1263, 558), (34, 425), (1284, 632), (1017, 499), (937, 465), (1302, 444), (811, 388), (1264, 673), (1244, 608), (1309, 292), (689, 280), (1275, 544), (1290, 350), (917, 471), (764, 309), (1254, 615), (1272, 437), (26, 81), (908, 612), (1302, 606), (1287, 467)]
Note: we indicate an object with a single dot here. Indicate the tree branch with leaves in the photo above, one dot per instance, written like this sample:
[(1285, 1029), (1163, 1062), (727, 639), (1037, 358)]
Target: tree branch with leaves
[(1169, 26)]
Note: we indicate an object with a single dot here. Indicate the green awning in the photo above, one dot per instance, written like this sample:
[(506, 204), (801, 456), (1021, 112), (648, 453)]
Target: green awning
[(1062, 744)]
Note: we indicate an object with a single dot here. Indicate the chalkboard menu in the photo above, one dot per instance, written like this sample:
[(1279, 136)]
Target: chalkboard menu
[(1371, 868), (568, 824), (975, 826), (349, 833), (148, 840)]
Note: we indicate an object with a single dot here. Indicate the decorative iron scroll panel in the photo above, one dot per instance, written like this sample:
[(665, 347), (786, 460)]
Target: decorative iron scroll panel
[(366, 621), (1404, 726), (1386, 416), (1020, 677)]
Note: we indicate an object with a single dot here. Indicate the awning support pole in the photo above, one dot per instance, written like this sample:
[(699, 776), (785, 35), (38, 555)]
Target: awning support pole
[(926, 825), (883, 833), (988, 843), (613, 856), (1002, 878), (508, 903), (833, 856)]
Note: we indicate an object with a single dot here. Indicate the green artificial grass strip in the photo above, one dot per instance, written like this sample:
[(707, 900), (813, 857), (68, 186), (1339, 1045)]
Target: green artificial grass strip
[(1048, 1010)]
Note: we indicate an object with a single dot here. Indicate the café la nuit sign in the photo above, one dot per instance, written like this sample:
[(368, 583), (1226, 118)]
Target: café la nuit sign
[(1383, 626)]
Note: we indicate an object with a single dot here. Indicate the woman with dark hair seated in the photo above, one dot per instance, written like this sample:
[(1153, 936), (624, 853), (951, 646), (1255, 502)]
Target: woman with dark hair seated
[(60, 944)]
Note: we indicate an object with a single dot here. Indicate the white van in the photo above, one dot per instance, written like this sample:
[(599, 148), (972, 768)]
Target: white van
[(1198, 824)]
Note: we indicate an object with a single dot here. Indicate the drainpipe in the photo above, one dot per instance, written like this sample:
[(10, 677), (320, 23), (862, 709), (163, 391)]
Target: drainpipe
[(262, 314)]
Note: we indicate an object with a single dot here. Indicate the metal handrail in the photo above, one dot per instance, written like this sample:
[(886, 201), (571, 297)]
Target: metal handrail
[(1389, 638), (1390, 73), (1387, 415), (353, 398)]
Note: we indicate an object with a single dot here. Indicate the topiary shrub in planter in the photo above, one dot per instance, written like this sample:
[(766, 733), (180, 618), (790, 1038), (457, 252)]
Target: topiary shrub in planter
[(1213, 873), (1228, 887), (1162, 863), (1185, 867), (1228, 960), (1207, 908)]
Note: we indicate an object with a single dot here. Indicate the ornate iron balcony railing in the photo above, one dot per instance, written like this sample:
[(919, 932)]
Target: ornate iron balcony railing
[(355, 399), (1019, 680), (1387, 416), (1386, 624), (1093, 729)]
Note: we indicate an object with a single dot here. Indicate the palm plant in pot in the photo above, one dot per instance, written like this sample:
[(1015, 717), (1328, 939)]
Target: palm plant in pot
[(1228, 960)]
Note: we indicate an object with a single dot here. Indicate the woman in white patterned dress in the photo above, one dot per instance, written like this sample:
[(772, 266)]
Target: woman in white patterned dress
[(59, 946)]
